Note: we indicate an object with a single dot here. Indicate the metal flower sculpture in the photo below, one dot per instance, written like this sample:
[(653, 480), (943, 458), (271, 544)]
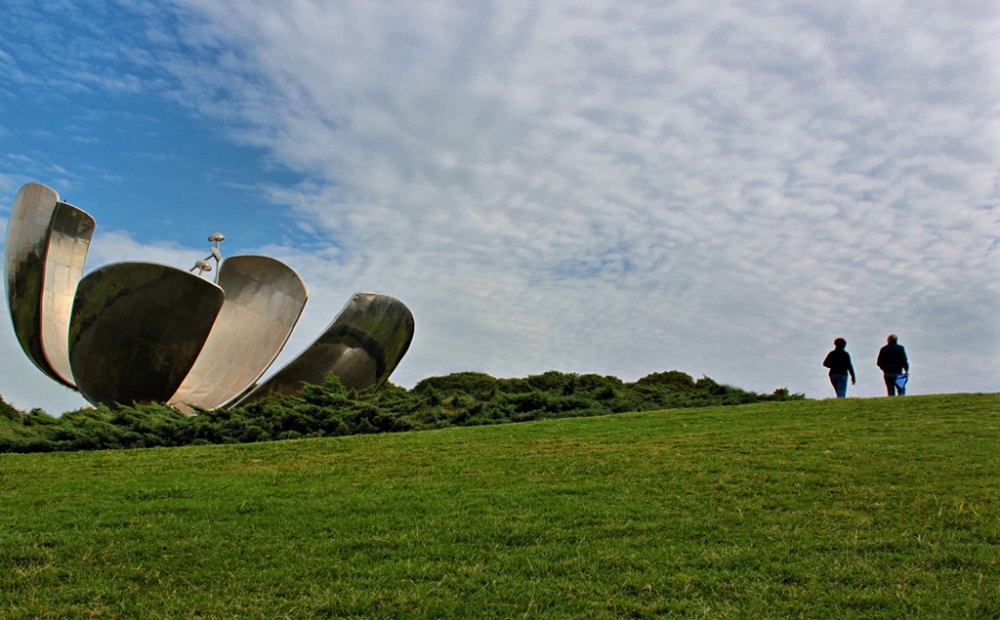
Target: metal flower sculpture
[(143, 332)]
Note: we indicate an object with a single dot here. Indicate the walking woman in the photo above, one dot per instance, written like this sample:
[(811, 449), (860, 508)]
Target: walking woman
[(839, 363)]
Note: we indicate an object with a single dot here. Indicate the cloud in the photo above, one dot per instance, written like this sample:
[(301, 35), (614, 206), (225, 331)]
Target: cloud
[(625, 188), (117, 246), (719, 187)]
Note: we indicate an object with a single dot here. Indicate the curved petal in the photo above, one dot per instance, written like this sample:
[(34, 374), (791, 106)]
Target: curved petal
[(136, 330), (362, 346), (69, 241), (46, 246), (264, 299)]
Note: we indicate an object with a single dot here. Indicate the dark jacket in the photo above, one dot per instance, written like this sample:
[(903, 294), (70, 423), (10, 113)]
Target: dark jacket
[(839, 363), (892, 359)]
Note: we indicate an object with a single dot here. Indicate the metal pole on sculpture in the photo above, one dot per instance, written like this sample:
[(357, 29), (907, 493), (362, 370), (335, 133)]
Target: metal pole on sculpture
[(216, 254)]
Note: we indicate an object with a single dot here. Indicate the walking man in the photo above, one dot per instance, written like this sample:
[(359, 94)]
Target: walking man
[(892, 360)]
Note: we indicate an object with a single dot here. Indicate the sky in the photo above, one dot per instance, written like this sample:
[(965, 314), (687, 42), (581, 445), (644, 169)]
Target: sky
[(716, 187)]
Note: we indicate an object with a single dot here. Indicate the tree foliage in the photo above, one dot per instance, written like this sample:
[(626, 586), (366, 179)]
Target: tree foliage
[(460, 399)]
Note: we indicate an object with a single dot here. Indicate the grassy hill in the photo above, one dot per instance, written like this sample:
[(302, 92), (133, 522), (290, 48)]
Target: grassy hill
[(881, 508)]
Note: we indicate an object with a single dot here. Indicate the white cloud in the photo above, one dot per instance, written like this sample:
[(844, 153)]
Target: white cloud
[(119, 246), (627, 188), (622, 188)]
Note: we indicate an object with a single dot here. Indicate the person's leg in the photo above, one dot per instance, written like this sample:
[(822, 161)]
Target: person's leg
[(839, 385), (890, 383)]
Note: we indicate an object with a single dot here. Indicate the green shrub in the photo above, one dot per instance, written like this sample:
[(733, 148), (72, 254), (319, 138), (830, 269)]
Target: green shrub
[(330, 409), (8, 413)]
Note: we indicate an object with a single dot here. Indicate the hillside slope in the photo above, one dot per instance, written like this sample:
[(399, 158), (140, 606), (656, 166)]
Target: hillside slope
[(852, 508)]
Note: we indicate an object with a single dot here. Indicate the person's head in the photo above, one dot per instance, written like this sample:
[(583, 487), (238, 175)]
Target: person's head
[(892, 339), (840, 343)]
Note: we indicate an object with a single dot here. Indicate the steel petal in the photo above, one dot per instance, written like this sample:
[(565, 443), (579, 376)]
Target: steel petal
[(264, 299), (136, 330), (69, 242), (362, 346), (44, 253)]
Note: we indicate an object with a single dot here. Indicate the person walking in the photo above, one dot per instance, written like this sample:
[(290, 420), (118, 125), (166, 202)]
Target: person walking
[(892, 360), (839, 363)]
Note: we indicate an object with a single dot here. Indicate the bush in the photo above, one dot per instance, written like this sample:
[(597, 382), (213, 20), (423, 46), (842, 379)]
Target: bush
[(330, 409), (8, 413)]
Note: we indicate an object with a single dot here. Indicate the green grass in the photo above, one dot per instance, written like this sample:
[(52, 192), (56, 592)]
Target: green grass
[(881, 508)]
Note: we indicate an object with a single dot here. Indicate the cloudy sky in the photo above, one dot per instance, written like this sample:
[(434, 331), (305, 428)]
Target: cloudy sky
[(716, 187)]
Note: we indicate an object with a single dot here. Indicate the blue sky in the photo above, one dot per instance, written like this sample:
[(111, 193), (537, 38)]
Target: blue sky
[(718, 187), (86, 108)]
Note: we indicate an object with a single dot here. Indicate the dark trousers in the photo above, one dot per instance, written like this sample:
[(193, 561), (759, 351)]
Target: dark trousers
[(839, 385), (890, 384)]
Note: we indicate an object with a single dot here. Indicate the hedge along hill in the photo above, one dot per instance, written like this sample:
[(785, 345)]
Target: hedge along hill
[(461, 399)]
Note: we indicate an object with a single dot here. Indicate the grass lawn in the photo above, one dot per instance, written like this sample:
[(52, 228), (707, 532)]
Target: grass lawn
[(876, 508)]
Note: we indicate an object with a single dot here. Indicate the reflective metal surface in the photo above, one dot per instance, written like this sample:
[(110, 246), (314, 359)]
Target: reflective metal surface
[(136, 330), (69, 241), (45, 249), (264, 299), (362, 347), (143, 332)]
